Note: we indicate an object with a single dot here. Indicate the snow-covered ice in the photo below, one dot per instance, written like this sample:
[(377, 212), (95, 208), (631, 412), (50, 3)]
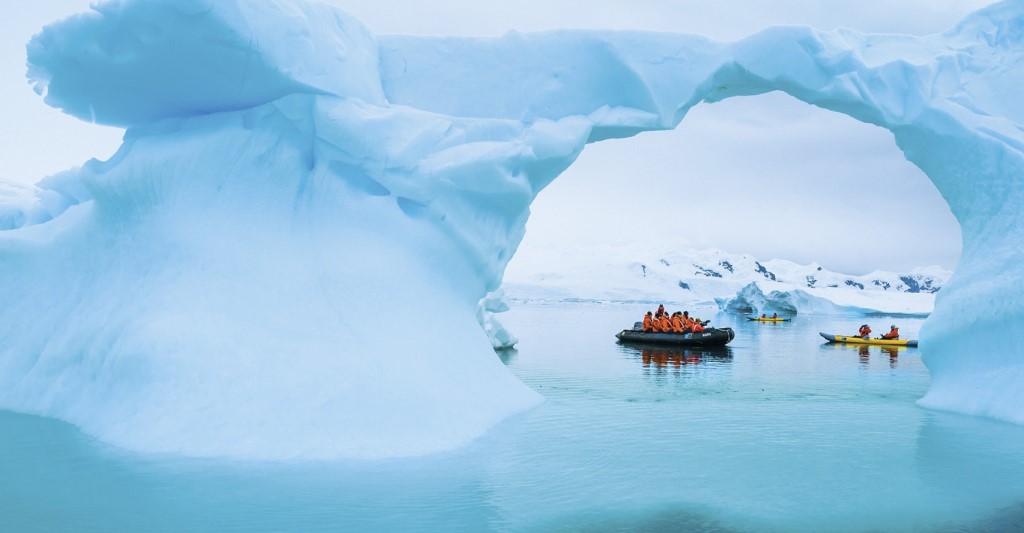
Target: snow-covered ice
[(287, 255), (638, 273)]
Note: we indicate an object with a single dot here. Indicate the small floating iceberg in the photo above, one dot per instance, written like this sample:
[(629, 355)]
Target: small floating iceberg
[(751, 300)]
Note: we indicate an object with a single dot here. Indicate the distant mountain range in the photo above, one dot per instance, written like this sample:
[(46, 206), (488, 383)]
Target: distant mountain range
[(628, 274)]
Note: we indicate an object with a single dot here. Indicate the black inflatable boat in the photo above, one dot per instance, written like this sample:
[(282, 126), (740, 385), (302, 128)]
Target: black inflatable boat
[(708, 337)]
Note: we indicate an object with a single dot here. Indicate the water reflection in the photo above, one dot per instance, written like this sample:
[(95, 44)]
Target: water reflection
[(168, 493), (507, 355), (864, 351), (675, 358), (976, 465)]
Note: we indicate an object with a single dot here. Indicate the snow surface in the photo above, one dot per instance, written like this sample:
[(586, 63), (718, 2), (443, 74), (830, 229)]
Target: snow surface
[(695, 277), (287, 255)]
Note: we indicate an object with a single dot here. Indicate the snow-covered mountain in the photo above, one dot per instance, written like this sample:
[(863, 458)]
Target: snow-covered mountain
[(627, 273)]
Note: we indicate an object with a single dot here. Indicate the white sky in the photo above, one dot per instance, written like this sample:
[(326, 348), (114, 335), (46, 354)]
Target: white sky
[(765, 175)]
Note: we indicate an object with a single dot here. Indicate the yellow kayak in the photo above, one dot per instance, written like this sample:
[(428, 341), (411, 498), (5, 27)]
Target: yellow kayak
[(873, 342), (768, 319)]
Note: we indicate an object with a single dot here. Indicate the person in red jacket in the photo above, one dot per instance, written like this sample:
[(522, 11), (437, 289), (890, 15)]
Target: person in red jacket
[(864, 332), (894, 333), (677, 322), (663, 324), (657, 324), (648, 323)]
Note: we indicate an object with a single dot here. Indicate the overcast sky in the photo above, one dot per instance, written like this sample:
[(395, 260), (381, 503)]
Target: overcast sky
[(765, 175)]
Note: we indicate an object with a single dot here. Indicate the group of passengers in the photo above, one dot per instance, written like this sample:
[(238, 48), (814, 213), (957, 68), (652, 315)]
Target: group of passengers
[(865, 332), (678, 322)]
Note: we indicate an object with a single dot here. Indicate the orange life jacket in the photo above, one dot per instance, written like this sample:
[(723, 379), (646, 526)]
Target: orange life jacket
[(894, 334), (697, 327), (648, 322), (677, 324)]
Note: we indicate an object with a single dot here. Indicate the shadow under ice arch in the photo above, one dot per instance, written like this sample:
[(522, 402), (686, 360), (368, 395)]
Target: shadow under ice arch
[(287, 179)]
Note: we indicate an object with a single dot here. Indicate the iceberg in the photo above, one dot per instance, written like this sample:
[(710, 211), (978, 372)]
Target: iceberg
[(287, 255), (751, 300)]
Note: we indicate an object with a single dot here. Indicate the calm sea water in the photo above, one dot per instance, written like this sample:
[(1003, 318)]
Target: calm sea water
[(778, 432)]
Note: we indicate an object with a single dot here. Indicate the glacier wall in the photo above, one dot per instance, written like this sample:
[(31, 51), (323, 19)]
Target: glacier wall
[(287, 256)]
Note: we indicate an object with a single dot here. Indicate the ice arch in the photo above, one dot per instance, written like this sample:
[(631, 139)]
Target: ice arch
[(285, 256)]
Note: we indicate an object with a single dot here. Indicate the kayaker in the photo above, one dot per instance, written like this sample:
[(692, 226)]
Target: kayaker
[(764, 315), (648, 323), (864, 332), (894, 333), (775, 315)]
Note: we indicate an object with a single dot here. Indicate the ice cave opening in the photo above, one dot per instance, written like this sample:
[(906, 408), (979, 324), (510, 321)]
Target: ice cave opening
[(765, 175), (945, 99)]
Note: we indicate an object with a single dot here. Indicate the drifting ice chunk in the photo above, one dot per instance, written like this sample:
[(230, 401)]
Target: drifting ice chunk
[(750, 300), (492, 304)]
